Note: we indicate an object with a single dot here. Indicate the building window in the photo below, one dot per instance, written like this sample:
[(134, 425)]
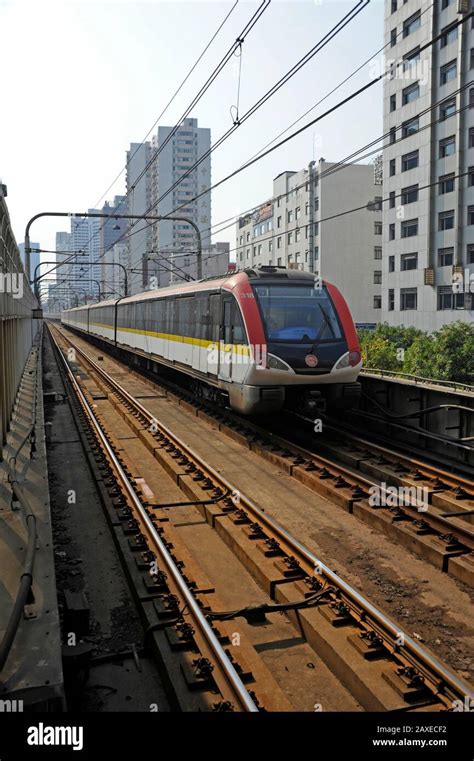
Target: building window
[(279, 242), (290, 216), (446, 184), (248, 253), (306, 207), (445, 257), (471, 135), (470, 176), (410, 93), (297, 235), (412, 24), (470, 253), (446, 220), (391, 300), (393, 37), (393, 102), (248, 237), (259, 249), (316, 204), (392, 167), (410, 127), (297, 212), (391, 231), (278, 221), (377, 252), (450, 34), (447, 109), (394, 6), (409, 228), (447, 146), (377, 228), (377, 302), (411, 58), (408, 299), (290, 238), (391, 263), (471, 59), (409, 195), (470, 215), (279, 261), (444, 4), (408, 262), (316, 228), (393, 135), (447, 72), (270, 246), (447, 299), (391, 197), (409, 161), (377, 277), (254, 250)]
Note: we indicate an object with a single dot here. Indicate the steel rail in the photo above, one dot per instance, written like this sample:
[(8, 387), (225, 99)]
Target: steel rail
[(418, 654), (218, 651)]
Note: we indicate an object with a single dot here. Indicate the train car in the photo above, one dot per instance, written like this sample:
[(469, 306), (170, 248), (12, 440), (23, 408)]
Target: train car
[(257, 339)]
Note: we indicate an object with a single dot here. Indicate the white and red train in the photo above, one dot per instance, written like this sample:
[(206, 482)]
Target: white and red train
[(256, 339)]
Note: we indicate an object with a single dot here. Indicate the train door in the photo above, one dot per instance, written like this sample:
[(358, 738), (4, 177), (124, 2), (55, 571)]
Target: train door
[(225, 338), (212, 333)]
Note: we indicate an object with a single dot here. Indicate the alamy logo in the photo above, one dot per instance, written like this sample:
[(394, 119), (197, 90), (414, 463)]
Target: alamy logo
[(45, 735), (12, 282), (397, 496), (11, 706)]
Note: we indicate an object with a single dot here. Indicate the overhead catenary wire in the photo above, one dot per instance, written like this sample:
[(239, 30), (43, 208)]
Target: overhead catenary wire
[(176, 92), (311, 123), (250, 24), (328, 37), (342, 164), (339, 166), (127, 235)]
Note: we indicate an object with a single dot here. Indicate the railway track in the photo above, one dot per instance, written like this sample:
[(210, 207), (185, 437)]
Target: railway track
[(428, 510), (380, 665)]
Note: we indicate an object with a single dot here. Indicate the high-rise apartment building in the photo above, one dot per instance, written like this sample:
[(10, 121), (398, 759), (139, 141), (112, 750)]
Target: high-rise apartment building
[(34, 258), (111, 231), (304, 226), (85, 269), (428, 164), (139, 240), (159, 176)]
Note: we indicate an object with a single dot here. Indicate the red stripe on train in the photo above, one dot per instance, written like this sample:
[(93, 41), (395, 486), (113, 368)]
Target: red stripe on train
[(345, 317)]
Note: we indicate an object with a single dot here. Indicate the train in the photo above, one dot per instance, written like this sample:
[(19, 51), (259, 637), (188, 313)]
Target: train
[(256, 340)]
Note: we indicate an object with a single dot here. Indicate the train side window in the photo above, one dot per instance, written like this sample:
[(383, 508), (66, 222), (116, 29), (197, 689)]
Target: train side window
[(227, 321), (239, 336)]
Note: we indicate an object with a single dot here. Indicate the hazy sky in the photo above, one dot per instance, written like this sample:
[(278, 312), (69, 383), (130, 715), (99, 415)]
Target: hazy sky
[(82, 79)]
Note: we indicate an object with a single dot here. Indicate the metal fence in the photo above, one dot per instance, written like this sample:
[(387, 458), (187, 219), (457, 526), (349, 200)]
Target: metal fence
[(17, 325)]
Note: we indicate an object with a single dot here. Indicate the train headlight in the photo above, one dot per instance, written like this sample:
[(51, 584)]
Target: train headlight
[(350, 359), (273, 363)]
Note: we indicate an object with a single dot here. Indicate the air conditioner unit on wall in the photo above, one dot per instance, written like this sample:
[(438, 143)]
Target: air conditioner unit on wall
[(464, 6), (429, 276)]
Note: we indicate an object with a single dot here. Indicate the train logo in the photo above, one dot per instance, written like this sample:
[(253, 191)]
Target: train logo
[(311, 360)]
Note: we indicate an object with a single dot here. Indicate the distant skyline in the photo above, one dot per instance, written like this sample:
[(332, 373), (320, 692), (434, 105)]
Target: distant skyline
[(85, 79)]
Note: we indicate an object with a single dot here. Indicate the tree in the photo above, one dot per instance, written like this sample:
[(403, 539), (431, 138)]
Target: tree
[(447, 354)]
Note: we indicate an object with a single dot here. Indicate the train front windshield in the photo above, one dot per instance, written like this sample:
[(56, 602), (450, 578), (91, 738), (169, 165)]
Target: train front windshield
[(297, 313)]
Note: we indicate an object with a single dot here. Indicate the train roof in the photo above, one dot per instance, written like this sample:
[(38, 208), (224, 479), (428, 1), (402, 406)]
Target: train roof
[(229, 280)]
